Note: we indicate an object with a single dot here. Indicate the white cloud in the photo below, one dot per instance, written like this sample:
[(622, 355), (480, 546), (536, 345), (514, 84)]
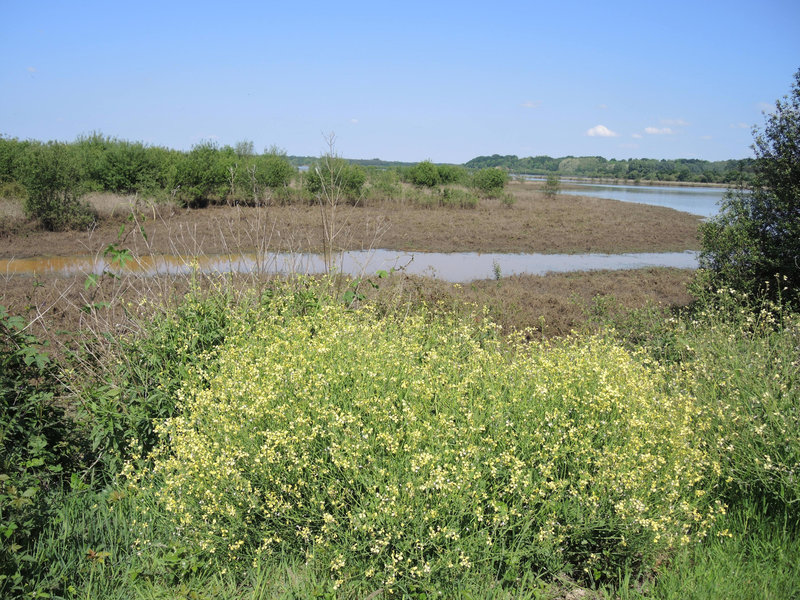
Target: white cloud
[(31, 69), (637, 136), (674, 122), (354, 121), (739, 126), (765, 106), (602, 106), (658, 131), (601, 131), (706, 137), (531, 104)]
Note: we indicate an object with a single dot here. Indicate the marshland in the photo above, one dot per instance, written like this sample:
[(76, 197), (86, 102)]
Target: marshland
[(378, 434)]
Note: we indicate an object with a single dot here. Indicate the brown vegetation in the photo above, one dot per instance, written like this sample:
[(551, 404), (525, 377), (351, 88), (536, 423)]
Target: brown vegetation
[(535, 223)]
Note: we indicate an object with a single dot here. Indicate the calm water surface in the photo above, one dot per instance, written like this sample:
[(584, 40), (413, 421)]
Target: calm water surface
[(452, 267), (703, 201)]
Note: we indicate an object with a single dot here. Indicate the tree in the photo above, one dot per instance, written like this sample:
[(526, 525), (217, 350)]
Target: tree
[(552, 186), (490, 181), (424, 174), (51, 174), (756, 235)]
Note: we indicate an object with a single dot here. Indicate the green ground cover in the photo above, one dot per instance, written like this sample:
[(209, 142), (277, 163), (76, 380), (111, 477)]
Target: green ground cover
[(282, 444)]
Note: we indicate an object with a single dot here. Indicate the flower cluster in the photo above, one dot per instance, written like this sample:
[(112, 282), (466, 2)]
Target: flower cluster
[(403, 449)]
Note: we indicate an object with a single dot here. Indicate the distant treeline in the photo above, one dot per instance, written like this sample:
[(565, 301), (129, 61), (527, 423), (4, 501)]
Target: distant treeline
[(680, 169), (301, 161)]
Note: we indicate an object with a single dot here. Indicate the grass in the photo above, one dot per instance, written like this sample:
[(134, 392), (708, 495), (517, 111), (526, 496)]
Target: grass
[(274, 492), (757, 558)]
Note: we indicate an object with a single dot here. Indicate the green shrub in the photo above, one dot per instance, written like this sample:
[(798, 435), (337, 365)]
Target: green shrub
[(202, 175), (333, 180), (552, 186), (37, 449), (451, 174), (385, 184), (490, 181), (51, 174), (743, 362), (457, 198), (756, 234), (423, 174), (411, 452), (122, 409)]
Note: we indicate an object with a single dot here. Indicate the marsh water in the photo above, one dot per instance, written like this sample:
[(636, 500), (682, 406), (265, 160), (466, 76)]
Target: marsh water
[(703, 201), (452, 267)]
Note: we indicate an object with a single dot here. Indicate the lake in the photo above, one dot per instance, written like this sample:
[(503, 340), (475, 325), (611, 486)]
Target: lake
[(703, 201), (453, 267)]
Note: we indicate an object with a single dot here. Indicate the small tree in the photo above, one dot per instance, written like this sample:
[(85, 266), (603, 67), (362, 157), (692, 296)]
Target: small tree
[(552, 186), (51, 174), (278, 170), (424, 174), (490, 181), (333, 182), (756, 235)]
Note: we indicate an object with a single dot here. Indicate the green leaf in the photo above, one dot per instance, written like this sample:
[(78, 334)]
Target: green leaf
[(91, 280)]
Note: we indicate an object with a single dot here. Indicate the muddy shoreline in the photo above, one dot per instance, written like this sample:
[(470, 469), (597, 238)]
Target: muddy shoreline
[(534, 224)]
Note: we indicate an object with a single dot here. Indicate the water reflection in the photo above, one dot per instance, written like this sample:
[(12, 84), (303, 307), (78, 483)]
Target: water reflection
[(452, 267), (703, 201)]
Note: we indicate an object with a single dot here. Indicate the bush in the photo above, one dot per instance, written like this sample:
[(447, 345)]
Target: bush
[(51, 174), (203, 175), (757, 232), (278, 171), (490, 181), (424, 174), (412, 452), (121, 410), (450, 174), (456, 198), (37, 449), (741, 357), (552, 186), (385, 184), (334, 179)]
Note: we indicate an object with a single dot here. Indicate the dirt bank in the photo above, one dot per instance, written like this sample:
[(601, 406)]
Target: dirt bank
[(535, 223)]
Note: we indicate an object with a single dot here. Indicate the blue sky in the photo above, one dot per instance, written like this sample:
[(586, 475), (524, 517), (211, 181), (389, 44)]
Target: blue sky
[(402, 81)]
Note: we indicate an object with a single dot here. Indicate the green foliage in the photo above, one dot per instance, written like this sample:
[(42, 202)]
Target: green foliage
[(741, 357), (424, 174), (202, 175), (122, 410), (490, 181), (335, 179), (457, 198), (552, 186), (278, 171), (52, 176), (384, 184), (12, 153), (414, 452), (682, 169), (37, 449), (757, 232), (451, 174)]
